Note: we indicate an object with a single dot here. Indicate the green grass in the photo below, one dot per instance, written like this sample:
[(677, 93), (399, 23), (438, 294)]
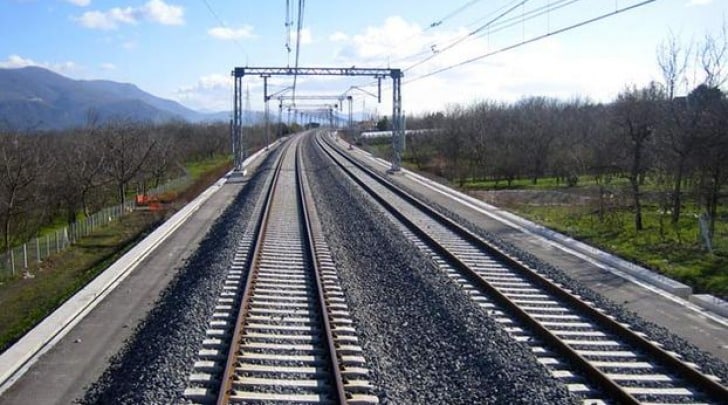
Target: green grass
[(25, 302), (677, 254), (198, 168)]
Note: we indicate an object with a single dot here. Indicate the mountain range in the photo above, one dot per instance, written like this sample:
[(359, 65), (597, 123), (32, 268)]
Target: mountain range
[(34, 98)]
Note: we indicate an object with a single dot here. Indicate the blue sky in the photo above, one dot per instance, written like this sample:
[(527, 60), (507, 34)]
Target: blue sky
[(185, 49)]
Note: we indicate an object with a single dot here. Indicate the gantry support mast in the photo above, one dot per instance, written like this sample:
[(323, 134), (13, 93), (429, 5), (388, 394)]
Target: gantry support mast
[(265, 72)]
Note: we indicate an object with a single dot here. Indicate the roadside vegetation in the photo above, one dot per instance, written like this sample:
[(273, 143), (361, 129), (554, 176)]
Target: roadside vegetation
[(644, 176), (52, 179)]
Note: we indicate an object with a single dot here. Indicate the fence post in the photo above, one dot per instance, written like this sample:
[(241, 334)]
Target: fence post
[(12, 261), (48, 244), (25, 256), (37, 249)]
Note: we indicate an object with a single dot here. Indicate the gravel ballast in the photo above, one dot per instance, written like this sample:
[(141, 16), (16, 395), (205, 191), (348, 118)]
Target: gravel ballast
[(671, 342), (156, 362), (425, 341)]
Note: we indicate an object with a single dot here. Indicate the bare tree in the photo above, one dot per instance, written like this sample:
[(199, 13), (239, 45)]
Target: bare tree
[(636, 113), (673, 61), (127, 148), (19, 170), (711, 109), (537, 131), (713, 57), (452, 143), (81, 169)]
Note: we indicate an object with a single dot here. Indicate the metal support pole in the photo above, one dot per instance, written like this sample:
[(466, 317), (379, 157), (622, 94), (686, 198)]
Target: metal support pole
[(238, 146), (350, 123), (267, 112), (397, 127), (379, 89), (280, 119)]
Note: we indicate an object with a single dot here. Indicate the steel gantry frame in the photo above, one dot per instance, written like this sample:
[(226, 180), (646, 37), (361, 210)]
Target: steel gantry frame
[(265, 72), (339, 106)]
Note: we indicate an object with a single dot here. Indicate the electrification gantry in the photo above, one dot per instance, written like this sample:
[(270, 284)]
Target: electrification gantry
[(239, 73)]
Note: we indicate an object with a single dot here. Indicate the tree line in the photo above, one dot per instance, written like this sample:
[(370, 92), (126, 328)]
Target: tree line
[(48, 177), (651, 134)]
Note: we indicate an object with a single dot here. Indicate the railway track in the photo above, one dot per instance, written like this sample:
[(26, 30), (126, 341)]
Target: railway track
[(291, 339), (599, 359)]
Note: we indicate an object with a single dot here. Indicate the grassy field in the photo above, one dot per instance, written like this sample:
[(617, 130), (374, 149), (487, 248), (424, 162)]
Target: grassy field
[(678, 255), (26, 301)]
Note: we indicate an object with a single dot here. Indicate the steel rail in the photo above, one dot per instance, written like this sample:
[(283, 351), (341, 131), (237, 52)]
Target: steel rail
[(229, 375), (332, 365), (697, 379), (333, 355)]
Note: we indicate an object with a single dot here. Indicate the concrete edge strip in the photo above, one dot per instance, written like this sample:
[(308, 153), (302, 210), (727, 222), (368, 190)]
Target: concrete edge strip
[(707, 305), (19, 357)]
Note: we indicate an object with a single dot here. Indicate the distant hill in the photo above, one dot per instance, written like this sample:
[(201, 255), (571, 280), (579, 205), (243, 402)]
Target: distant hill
[(33, 98)]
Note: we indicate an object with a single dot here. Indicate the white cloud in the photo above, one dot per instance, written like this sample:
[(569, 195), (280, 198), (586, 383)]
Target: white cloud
[(338, 37), (108, 20), (508, 76), (129, 45), (692, 3), (108, 66), (211, 92), (80, 3), (17, 61), (226, 33), (156, 11), (306, 36), (163, 13), (394, 39)]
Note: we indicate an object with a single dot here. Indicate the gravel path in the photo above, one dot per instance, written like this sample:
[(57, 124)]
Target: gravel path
[(426, 342), (154, 366)]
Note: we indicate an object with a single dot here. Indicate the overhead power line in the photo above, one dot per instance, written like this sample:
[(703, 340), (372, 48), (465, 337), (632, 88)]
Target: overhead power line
[(534, 39), (453, 14), (288, 25), (527, 16), (299, 28), (222, 24), (468, 35), (433, 25)]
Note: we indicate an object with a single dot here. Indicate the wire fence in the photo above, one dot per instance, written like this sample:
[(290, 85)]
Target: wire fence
[(19, 259)]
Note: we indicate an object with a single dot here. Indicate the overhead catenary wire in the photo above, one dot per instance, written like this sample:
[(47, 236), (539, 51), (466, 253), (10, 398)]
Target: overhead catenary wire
[(432, 51), (526, 16), (222, 24), (468, 35), (452, 14), (299, 28), (524, 42), (531, 40), (429, 49), (288, 25)]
